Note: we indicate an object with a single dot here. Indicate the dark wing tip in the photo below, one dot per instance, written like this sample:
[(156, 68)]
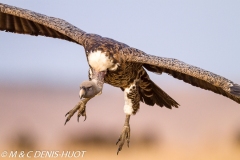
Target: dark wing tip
[(235, 90)]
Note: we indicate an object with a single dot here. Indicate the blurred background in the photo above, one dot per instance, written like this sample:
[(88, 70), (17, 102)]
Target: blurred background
[(40, 77)]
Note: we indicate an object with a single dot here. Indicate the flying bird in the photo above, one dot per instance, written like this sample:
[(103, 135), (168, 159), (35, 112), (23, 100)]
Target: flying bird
[(117, 64)]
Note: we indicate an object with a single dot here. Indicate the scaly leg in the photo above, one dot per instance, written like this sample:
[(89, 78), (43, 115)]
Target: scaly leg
[(81, 107), (125, 135)]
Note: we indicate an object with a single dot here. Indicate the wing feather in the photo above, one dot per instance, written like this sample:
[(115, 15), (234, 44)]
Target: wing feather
[(17, 20), (190, 74)]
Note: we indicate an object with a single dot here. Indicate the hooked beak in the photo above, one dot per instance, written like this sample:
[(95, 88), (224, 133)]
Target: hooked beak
[(82, 93)]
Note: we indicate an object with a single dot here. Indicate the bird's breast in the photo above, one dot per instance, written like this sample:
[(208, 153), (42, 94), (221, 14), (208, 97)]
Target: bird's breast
[(124, 75), (100, 61)]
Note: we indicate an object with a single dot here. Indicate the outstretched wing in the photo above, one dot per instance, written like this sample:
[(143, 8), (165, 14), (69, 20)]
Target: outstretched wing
[(180, 70), (17, 20)]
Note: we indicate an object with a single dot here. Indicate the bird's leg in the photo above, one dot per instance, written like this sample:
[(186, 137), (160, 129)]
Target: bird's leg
[(132, 99), (125, 135), (81, 107)]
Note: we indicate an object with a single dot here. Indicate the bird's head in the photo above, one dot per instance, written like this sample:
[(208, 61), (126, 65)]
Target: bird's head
[(89, 89)]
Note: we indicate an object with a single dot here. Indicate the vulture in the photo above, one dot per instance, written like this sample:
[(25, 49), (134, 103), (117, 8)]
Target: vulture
[(117, 64)]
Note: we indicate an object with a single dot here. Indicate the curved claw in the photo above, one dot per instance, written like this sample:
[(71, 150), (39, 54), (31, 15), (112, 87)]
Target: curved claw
[(118, 150), (66, 114), (128, 141), (82, 113), (81, 108), (85, 118), (118, 140), (125, 136), (66, 121)]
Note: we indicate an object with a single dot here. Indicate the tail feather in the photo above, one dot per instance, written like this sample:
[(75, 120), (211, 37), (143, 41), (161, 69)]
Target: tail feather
[(158, 96)]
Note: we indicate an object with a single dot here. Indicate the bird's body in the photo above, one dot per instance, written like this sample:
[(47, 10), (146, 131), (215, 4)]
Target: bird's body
[(101, 55), (117, 64)]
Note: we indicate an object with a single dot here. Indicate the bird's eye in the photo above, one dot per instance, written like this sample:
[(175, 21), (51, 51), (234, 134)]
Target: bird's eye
[(89, 88)]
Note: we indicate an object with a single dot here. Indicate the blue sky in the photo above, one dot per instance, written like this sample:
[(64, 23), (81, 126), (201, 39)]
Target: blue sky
[(202, 33)]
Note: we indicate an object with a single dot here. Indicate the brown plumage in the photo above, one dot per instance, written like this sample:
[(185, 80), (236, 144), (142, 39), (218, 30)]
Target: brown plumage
[(117, 64)]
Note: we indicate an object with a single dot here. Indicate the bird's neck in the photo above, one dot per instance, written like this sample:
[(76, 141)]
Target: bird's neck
[(99, 85)]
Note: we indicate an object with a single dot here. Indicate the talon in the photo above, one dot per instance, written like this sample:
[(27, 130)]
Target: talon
[(125, 136), (82, 112), (80, 107), (66, 121), (118, 151), (66, 114), (79, 115), (118, 141)]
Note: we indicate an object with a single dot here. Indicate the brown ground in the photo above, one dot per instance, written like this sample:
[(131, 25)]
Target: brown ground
[(206, 126)]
